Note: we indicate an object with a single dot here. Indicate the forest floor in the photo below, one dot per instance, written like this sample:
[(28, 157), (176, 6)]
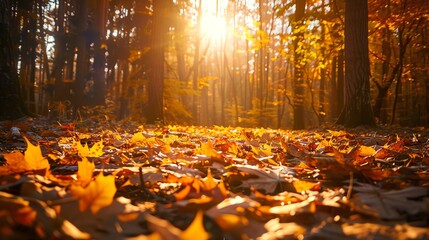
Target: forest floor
[(102, 179)]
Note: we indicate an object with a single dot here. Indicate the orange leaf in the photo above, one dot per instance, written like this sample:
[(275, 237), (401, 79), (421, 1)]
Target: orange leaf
[(31, 160), (34, 158), (85, 172), (97, 194), (196, 229), (208, 150), (302, 186), (84, 151)]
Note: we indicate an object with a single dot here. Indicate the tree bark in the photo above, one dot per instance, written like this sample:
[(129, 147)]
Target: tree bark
[(155, 112), (357, 108), (78, 98), (299, 83), (11, 103)]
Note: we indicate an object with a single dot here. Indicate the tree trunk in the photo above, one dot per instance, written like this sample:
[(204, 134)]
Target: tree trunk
[(99, 52), (299, 83), (78, 98), (155, 112), (357, 106), (11, 103)]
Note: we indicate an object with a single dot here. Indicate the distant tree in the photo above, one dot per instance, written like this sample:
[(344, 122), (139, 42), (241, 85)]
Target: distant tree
[(156, 75), (299, 83), (98, 30), (11, 103), (82, 55), (357, 108)]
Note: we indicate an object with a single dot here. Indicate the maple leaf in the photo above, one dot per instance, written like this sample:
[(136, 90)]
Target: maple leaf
[(208, 150), (84, 151), (196, 229), (391, 204), (85, 172), (34, 158), (138, 138), (97, 194), (267, 179), (31, 160)]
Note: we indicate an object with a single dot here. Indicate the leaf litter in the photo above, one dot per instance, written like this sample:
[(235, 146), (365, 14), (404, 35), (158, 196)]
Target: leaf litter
[(90, 180)]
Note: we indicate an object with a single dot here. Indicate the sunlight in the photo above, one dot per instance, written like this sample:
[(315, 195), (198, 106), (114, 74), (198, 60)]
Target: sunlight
[(213, 23), (213, 27)]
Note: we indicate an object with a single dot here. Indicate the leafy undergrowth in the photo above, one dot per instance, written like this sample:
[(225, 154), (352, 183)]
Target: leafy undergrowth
[(99, 179)]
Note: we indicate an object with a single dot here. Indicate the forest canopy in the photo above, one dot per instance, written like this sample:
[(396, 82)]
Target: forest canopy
[(266, 63)]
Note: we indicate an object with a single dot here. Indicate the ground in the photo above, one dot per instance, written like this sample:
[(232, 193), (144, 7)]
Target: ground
[(103, 179)]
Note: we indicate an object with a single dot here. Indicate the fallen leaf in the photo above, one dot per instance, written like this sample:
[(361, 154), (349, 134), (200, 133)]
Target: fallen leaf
[(267, 179), (392, 204), (97, 194), (85, 172), (196, 229), (32, 160)]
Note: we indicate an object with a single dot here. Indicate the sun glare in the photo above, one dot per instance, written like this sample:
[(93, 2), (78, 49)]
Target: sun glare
[(213, 23), (213, 27)]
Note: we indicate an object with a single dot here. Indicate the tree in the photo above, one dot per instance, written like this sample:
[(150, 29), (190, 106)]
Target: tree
[(81, 76), (299, 83), (156, 75), (11, 103), (357, 105)]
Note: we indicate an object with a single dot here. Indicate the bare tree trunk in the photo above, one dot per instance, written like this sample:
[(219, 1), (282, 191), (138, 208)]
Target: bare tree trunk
[(82, 56), (196, 65), (357, 106), (299, 82), (156, 75), (11, 104), (99, 50)]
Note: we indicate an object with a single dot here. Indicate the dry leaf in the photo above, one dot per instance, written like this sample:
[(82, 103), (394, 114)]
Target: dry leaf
[(84, 151), (392, 204), (85, 172), (32, 160), (97, 194), (196, 229)]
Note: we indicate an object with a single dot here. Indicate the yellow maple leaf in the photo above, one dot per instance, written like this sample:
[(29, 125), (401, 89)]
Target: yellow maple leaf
[(195, 229), (15, 163), (84, 151), (138, 138), (33, 157), (97, 194), (85, 172), (208, 150)]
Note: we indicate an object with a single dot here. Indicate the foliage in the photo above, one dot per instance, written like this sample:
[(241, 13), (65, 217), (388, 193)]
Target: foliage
[(178, 182)]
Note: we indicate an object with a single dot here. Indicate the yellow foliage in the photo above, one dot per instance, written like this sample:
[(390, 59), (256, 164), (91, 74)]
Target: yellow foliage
[(138, 138), (195, 229), (97, 194), (85, 172), (32, 159), (84, 151), (208, 150)]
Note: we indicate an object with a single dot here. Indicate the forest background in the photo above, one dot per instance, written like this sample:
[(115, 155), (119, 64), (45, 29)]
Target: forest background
[(265, 63)]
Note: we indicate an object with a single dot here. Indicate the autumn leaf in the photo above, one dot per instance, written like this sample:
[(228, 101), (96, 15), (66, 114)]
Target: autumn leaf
[(85, 172), (392, 204), (31, 160), (34, 158), (98, 194), (17, 209), (138, 138), (266, 179), (84, 151), (208, 150), (196, 229)]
